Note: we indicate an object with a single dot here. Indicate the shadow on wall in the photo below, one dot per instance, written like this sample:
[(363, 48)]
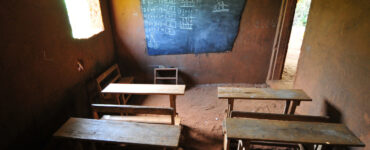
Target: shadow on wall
[(187, 79), (333, 112), (129, 66)]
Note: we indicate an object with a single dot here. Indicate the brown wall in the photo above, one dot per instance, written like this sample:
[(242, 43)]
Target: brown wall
[(247, 63), (334, 68), (40, 84)]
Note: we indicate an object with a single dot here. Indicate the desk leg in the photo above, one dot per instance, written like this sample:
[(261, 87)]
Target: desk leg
[(287, 105), (226, 142), (230, 107), (173, 105), (116, 96), (294, 106)]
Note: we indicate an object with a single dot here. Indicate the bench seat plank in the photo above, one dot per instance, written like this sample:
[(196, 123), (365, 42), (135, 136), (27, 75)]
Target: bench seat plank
[(120, 132), (262, 93), (158, 119), (291, 132)]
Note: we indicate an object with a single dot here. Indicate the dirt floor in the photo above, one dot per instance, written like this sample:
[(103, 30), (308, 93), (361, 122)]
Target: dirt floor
[(202, 113), (294, 50)]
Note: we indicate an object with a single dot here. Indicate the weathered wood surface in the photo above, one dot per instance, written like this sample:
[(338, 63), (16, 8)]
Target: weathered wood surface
[(144, 119), (133, 109), (280, 116), (262, 94), (291, 132), (120, 132), (145, 89)]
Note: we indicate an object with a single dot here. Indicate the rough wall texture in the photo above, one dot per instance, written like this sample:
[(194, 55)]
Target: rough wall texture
[(334, 66), (40, 84), (247, 63)]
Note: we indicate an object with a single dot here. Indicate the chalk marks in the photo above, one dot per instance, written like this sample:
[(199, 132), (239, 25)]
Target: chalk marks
[(152, 41), (186, 14), (190, 26), (220, 7), (160, 16)]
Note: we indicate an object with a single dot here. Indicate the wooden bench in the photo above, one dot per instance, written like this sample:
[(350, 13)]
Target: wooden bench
[(149, 89), (113, 75), (294, 96), (270, 116), (132, 109), (251, 130), (120, 132)]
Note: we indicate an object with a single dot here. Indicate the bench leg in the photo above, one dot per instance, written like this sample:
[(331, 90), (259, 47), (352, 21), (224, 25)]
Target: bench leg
[(230, 107), (287, 105), (294, 106), (173, 105), (226, 142)]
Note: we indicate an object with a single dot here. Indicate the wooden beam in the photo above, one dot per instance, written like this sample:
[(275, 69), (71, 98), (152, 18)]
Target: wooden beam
[(104, 108), (280, 116)]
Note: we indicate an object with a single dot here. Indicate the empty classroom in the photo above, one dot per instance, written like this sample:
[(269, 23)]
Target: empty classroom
[(185, 74)]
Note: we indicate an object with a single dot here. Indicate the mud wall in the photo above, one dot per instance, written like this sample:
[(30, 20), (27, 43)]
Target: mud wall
[(334, 66), (248, 61), (40, 84)]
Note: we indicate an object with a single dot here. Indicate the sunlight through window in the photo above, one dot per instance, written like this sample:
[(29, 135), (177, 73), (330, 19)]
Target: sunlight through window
[(85, 18)]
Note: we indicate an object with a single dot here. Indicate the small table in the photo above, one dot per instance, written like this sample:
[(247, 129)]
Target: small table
[(289, 95), (148, 89), (330, 134), (120, 132)]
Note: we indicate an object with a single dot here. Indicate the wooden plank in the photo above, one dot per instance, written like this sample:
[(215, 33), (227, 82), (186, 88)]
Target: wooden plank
[(120, 132), (145, 89), (291, 132), (280, 116), (262, 94), (107, 72), (133, 109), (166, 78), (158, 119)]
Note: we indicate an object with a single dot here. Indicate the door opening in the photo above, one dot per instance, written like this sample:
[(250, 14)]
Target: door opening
[(283, 64), (296, 38)]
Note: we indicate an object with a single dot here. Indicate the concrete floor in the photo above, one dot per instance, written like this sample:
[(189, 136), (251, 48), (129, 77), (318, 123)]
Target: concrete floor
[(202, 114)]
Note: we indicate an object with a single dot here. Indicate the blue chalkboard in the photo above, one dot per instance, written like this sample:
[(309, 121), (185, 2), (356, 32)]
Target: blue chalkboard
[(190, 26)]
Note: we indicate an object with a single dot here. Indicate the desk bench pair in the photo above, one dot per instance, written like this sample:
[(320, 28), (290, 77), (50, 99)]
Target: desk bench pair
[(286, 128), (121, 131)]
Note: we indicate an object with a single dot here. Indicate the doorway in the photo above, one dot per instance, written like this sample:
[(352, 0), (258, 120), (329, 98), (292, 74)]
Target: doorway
[(295, 41), (287, 36)]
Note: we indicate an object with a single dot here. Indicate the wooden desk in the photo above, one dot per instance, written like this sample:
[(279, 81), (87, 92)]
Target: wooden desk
[(120, 132), (148, 89), (331, 134), (289, 95)]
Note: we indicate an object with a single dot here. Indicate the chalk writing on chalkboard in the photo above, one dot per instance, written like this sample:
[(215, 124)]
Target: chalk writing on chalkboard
[(221, 7), (190, 26)]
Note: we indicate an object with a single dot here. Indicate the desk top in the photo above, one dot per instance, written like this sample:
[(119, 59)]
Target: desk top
[(262, 93), (291, 131), (145, 89), (120, 132)]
